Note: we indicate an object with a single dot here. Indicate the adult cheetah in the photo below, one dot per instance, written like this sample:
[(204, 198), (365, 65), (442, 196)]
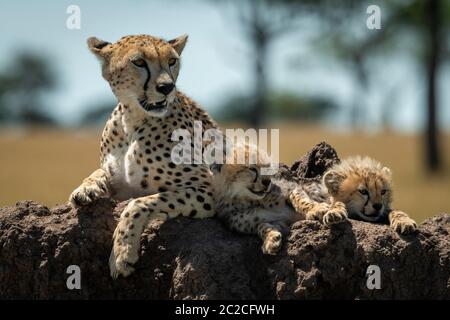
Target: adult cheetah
[(136, 143)]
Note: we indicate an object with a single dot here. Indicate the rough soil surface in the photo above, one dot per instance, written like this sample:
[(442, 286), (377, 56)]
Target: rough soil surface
[(200, 259)]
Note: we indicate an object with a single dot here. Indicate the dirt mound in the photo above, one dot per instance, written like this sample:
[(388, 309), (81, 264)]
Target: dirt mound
[(200, 259)]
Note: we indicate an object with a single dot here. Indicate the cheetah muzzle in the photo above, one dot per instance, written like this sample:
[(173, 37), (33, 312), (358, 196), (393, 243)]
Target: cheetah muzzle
[(159, 106)]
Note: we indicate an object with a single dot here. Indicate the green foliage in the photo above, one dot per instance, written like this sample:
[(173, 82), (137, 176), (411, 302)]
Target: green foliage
[(22, 85), (281, 106), (97, 114)]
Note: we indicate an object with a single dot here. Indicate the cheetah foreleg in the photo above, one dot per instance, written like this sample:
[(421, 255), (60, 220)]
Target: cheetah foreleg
[(139, 212), (93, 188), (272, 237), (313, 210), (401, 222), (336, 214)]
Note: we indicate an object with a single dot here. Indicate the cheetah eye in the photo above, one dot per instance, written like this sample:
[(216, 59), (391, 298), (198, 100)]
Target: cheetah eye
[(139, 62), (383, 192), (172, 62), (364, 192)]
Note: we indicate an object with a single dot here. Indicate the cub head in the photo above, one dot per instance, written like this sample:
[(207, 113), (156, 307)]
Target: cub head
[(235, 179), (142, 70), (363, 185)]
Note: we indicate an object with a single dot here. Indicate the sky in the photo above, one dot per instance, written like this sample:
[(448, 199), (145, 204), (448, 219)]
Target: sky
[(215, 64)]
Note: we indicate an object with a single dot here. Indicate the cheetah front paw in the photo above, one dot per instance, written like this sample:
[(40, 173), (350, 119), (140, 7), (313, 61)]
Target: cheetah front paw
[(85, 195), (404, 225), (121, 260), (272, 243), (335, 215), (318, 211)]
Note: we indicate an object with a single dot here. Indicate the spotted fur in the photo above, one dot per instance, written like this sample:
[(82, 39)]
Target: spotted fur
[(365, 187), (136, 145), (249, 202)]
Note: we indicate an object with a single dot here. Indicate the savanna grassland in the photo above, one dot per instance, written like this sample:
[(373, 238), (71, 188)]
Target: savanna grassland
[(46, 165)]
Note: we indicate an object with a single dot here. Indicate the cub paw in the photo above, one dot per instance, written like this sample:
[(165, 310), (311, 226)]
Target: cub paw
[(272, 243), (404, 225), (85, 195), (335, 215), (318, 212)]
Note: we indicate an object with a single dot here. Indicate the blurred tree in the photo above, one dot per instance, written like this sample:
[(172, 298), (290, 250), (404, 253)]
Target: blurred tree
[(22, 86), (97, 114), (284, 106), (435, 28), (338, 36), (355, 52), (261, 22), (5, 113), (264, 21), (427, 21)]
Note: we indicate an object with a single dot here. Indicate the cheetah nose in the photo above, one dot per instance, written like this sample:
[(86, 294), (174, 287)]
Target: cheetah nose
[(165, 88), (377, 206)]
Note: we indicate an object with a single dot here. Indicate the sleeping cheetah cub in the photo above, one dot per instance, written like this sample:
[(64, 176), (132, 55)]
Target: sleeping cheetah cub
[(252, 203), (365, 186)]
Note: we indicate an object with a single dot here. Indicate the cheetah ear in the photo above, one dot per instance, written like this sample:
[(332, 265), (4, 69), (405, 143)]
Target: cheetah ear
[(387, 172), (215, 167), (98, 47), (179, 43), (333, 180)]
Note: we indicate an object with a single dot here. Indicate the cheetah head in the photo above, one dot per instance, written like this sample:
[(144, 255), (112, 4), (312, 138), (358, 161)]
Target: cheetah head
[(142, 70), (363, 184), (241, 181), (241, 178)]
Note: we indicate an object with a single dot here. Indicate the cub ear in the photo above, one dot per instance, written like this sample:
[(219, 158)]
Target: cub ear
[(179, 43), (333, 181), (98, 47), (387, 172), (215, 167)]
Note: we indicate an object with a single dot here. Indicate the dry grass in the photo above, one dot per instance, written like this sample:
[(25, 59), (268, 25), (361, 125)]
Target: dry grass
[(47, 165)]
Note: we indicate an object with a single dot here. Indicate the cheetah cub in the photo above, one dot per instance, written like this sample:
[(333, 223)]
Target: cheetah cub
[(365, 186), (250, 202)]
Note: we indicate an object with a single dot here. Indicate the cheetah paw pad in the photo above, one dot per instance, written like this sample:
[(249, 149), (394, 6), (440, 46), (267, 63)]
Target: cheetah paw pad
[(404, 226), (85, 195), (334, 216)]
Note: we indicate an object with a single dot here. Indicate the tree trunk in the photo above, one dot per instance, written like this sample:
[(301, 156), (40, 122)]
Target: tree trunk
[(357, 114), (260, 40), (433, 160)]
